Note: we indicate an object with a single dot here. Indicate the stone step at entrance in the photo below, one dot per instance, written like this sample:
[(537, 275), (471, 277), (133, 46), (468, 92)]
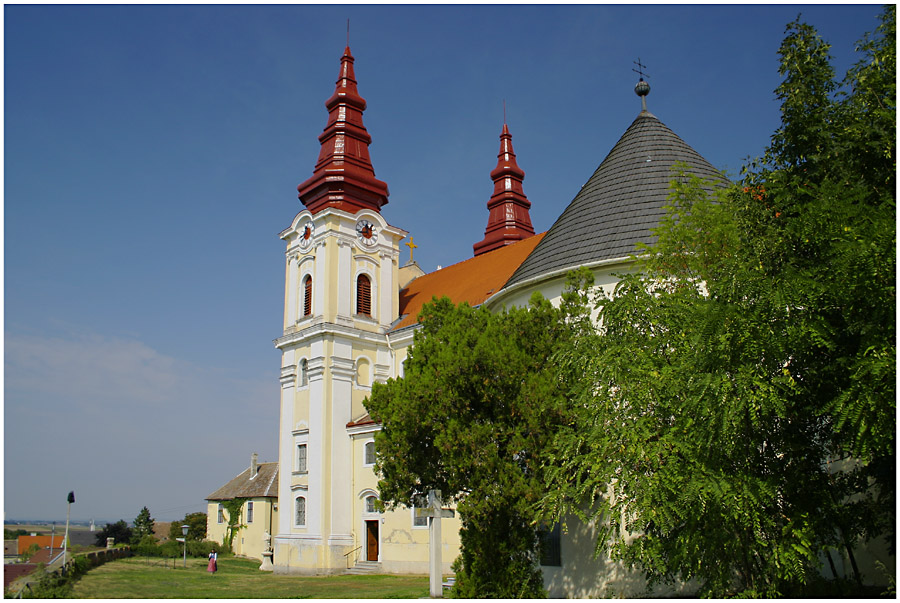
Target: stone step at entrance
[(365, 567)]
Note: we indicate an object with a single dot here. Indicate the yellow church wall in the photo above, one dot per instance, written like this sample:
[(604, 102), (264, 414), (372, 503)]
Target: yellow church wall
[(403, 547)]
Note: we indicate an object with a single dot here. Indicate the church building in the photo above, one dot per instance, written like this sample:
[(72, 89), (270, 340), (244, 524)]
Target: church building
[(350, 311)]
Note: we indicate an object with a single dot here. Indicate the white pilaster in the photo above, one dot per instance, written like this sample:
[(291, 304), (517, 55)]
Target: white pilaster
[(386, 290), (293, 276), (342, 373), (344, 280), (315, 453), (285, 444)]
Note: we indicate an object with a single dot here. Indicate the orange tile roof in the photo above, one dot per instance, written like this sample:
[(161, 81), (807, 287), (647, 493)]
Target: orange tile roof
[(472, 280), (42, 540)]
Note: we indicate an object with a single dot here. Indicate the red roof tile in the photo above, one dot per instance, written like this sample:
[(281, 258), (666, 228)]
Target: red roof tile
[(472, 280)]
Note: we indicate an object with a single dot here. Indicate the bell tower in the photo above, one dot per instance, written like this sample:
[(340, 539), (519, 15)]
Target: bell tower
[(343, 177), (341, 297)]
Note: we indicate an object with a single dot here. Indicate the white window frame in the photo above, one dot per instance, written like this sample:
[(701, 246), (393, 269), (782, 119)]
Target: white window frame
[(302, 467), (366, 451), (249, 511), (220, 513), (366, 509), (303, 373), (424, 526), (297, 500)]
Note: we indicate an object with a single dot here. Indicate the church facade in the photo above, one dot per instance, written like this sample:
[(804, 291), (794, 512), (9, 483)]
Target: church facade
[(350, 311)]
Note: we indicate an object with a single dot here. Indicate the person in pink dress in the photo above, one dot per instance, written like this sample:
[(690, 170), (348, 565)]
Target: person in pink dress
[(212, 567)]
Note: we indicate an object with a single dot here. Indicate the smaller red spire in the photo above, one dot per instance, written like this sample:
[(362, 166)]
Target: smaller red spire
[(508, 218), (344, 177)]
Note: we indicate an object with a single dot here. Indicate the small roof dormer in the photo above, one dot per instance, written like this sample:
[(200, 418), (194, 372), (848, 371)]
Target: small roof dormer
[(344, 177)]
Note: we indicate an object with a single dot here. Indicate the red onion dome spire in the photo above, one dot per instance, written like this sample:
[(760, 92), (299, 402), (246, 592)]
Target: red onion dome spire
[(344, 177), (508, 218)]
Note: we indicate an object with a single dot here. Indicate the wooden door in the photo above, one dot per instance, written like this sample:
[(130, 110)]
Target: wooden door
[(372, 541)]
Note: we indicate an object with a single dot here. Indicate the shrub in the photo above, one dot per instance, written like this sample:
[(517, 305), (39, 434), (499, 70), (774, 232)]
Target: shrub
[(202, 548), (147, 546), (170, 548)]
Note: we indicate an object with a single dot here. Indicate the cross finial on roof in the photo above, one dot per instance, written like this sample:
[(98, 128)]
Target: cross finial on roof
[(640, 69), (411, 246), (642, 88)]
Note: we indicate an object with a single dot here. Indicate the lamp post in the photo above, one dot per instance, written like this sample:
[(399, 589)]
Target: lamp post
[(70, 499), (184, 531)]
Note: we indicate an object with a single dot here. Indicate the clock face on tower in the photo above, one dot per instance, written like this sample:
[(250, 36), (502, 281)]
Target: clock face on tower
[(306, 234), (366, 233)]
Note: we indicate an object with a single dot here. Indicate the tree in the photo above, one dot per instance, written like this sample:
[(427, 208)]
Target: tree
[(471, 417), (196, 523), (118, 531), (736, 410), (143, 525)]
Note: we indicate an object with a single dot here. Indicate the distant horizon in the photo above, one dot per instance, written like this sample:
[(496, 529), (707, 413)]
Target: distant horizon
[(83, 522)]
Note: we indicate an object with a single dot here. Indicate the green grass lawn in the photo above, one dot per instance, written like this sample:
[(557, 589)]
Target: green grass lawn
[(134, 578)]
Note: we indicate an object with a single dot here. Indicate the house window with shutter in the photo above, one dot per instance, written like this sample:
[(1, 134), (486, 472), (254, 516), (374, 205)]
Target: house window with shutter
[(307, 296), (250, 511), (363, 295)]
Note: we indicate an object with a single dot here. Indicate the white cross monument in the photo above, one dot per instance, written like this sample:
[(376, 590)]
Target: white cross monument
[(435, 567)]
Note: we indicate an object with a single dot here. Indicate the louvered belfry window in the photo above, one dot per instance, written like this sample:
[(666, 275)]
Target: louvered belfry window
[(307, 296), (363, 295)]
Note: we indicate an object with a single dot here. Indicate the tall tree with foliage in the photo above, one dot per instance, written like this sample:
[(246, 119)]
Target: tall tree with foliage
[(471, 417), (142, 526), (736, 418), (119, 531), (196, 523)]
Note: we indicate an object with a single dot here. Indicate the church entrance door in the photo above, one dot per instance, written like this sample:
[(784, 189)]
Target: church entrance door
[(372, 540)]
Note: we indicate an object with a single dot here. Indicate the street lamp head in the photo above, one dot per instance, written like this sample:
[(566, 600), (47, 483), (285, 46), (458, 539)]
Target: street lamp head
[(71, 497), (184, 530)]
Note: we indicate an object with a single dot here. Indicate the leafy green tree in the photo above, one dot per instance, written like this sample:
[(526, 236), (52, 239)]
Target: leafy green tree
[(119, 531), (142, 526), (13, 534), (736, 410), (196, 523), (471, 417)]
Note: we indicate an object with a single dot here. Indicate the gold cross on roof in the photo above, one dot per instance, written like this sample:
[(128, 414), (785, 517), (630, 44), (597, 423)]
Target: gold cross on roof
[(411, 246)]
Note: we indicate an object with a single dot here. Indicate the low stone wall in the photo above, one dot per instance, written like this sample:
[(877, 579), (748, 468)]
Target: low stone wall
[(100, 557)]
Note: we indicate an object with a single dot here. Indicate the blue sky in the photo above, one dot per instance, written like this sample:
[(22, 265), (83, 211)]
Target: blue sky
[(152, 155)]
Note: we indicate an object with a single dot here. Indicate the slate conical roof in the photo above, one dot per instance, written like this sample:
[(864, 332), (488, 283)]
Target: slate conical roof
[(619, 204)]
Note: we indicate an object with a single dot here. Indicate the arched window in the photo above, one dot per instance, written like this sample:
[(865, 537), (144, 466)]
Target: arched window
[(307, 295), (363, 295), (304, 372), (300, 512), (370, 504), (363, 373), (369, 454)]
